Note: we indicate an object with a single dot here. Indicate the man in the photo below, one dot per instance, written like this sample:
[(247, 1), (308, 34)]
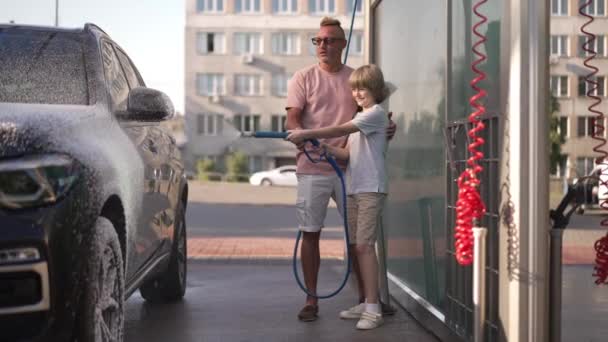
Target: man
[(320, 96)]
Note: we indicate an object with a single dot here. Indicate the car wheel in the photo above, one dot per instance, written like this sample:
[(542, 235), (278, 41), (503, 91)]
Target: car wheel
[(101, 315), (266, 182), (171, 286)]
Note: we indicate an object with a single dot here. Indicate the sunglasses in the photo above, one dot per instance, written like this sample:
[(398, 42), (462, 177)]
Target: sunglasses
[(326, 40)]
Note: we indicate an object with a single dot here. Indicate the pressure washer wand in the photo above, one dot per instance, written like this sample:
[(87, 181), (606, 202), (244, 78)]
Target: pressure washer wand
[(273, 135)]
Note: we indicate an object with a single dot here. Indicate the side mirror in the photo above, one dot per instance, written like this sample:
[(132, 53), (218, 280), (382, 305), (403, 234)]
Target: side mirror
[(146, 104)]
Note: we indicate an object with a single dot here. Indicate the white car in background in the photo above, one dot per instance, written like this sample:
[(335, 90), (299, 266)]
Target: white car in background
[(283, 176)]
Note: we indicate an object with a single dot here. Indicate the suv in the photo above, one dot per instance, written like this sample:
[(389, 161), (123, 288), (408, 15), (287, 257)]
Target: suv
[(92, 191)]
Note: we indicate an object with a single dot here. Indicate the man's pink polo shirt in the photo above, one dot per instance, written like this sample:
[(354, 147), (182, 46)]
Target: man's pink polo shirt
[(326, 100)]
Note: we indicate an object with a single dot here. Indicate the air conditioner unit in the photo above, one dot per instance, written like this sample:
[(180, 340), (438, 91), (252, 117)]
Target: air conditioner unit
[(248, 58), (553, 60), (215, 99)]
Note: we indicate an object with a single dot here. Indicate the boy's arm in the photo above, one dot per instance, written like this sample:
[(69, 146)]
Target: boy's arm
[(320, 133), (338, 152)]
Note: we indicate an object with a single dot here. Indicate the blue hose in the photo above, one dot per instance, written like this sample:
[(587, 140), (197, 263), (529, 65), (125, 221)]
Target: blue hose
[(334, 164), (332, 161)]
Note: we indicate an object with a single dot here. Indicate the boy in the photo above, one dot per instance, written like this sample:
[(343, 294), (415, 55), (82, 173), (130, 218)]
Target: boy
[(366, 180)]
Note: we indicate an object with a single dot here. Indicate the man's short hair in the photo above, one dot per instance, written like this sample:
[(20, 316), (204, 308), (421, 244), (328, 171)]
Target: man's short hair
[(369, 77), (328, 21)]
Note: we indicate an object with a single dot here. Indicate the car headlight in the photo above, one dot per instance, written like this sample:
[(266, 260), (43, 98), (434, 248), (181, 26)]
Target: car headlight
[(36, 180)]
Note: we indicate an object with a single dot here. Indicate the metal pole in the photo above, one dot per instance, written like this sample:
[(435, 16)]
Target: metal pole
[(56, 13), (479, 283), (382, 270), (555, 300)]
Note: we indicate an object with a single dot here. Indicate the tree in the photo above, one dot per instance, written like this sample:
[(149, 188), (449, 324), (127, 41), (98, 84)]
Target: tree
[(556, 138)]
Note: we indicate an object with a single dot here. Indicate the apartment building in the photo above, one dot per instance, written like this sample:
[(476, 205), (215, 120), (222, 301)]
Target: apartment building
[(240, 55), (568, 85)]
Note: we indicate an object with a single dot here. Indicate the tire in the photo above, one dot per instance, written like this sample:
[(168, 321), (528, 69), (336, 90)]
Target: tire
[(266, 182), (101, 314), (171, 286)]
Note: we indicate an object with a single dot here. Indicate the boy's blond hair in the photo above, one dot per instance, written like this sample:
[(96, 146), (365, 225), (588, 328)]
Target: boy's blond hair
[(328, 21), (369, 77)]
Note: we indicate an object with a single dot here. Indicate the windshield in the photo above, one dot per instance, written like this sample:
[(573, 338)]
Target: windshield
[(42, 67)]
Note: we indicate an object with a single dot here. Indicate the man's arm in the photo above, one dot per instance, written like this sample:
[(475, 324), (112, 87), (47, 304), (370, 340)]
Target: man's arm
[(294, 121), (392, 127), (294, 118)]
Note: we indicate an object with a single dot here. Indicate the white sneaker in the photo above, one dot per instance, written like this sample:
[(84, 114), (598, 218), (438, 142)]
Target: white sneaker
[(369, 320), (354, 312)]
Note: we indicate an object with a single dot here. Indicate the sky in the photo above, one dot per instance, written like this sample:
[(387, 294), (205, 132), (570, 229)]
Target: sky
[(150, 31)]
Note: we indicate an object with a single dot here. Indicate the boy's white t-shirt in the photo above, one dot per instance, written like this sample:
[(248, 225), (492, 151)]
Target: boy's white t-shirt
[(366, 171)]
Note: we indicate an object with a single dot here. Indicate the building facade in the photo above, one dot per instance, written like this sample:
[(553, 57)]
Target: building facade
[(569, 87), (240, 54)]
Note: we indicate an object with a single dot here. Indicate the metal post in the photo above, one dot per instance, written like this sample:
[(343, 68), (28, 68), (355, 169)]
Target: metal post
[(479, 283), (382, 270), (56, 13), (555, 300)]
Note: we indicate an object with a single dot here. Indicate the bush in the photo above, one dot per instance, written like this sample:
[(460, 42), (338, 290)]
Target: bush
[(205, 170), (237, 167)]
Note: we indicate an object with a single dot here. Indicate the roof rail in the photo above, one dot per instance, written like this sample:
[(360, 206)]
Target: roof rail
[(91, 27)]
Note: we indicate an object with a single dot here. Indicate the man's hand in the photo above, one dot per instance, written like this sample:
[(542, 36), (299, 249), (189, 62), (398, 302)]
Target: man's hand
[(298, 137), (392, 127)]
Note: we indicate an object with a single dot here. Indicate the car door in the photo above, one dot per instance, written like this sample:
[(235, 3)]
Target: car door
[(287, 176), (170, 167), (148, 234)]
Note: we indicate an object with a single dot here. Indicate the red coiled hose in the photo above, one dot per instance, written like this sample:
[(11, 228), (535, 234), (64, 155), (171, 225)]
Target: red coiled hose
[(601, 245), (470, 207)]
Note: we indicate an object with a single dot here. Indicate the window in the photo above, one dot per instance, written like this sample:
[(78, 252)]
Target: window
[(285, 6), (210, 43), (312, 49), (598, 46), (248, 85), (321, 7), (585, 126), (248, 43), (247, 123), (559, 7), (285, 43), (356, 44), (560, 168), (562, 127), (277, 123), (130, 71), (255, 164), (279, 84), (210, 124), (596, 90), (210, 84), (584, 165), (596, 8), (559, 45), (115, 78), (559, 86), (210, 6), (351, 3), (247, 6)]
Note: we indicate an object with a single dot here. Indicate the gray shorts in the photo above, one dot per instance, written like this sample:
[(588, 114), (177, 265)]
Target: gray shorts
[(314, 192)]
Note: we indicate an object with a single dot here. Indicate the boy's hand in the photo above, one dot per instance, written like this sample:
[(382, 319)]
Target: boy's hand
[(297, 137), (392, 127)]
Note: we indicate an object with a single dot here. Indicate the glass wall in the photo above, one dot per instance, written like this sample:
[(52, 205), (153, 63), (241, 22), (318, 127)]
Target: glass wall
[(411, 50), (424, 50)]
